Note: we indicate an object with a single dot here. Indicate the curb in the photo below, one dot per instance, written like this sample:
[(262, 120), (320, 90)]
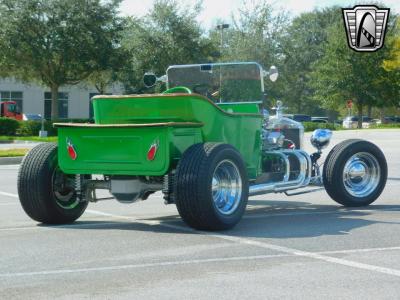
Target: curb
[(11, 160)]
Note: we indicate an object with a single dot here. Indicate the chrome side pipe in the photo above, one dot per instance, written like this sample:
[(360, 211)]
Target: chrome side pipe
[(303, 179)]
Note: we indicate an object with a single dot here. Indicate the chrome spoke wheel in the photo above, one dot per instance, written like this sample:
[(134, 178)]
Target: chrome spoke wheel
[(361, 174), (226, 187)]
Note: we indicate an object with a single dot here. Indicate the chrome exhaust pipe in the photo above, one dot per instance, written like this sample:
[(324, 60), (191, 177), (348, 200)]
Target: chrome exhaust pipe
[(303, 179)]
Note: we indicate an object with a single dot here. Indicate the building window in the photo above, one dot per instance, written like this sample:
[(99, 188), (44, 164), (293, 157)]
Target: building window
[(62, 105), (18, 97)]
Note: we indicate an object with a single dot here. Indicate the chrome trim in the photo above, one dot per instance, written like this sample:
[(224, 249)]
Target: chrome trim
[(302, 180), (242, 102), (308, 191), (287, 163), (221, 64), (309, 166), (320, 138), (226, 187), (218, 64), (361, 174)]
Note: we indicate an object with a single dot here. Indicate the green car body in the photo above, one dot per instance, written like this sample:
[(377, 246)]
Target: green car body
[(207, 143), (127, 126)]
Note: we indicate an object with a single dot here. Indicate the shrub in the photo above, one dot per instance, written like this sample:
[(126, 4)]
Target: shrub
[(32, 128), (8, 126), (29, 128), (311, 126), (392, 125)]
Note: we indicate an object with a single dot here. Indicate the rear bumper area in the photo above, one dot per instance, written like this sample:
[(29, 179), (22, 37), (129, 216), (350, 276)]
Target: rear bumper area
[(121, 149)]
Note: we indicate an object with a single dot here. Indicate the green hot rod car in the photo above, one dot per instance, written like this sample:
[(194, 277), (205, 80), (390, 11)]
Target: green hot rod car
[(207, 143)]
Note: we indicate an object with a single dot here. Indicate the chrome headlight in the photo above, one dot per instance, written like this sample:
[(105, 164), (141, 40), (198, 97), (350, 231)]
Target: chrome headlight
[(320, 138)]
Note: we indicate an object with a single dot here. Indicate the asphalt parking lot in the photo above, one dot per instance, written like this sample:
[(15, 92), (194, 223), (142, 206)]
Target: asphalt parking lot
[(301, 247)]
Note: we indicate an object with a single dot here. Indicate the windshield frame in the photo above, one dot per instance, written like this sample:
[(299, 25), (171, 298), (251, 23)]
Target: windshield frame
[(213, 65)]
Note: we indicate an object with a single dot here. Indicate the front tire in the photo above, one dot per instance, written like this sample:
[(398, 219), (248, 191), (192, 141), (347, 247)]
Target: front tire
[(46, 194), (355, 173), (211, 186)]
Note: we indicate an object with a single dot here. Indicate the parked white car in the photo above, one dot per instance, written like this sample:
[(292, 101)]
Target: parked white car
[(351, 122)]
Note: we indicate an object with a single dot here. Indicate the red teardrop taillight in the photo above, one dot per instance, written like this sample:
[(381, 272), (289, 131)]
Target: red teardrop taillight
[(71, 150), (151, 154)]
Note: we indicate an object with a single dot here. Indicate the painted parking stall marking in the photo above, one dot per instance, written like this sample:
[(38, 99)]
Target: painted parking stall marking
[(288, 252)]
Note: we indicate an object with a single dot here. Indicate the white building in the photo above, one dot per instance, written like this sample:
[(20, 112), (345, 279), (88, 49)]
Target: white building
[(74, 101)]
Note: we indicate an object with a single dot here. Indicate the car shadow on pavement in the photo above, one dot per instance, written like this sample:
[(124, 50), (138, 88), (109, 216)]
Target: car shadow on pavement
[(114, 225), (270, 219), (285, 219)]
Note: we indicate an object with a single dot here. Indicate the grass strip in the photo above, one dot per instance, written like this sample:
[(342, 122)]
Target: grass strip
[(13, 152), (28, 138)]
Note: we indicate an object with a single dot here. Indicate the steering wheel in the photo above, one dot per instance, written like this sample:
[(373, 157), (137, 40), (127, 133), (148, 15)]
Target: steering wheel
[(204, 89), (178, 89)]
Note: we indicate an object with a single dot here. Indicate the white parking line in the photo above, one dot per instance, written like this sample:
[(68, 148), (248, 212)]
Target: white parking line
[(349, 251), (240, 240), (87, 224), (8, 194), (145, 265), (7, 203), (175, 263), (265, 245), (317, 256), (20, 228), (9, 167)]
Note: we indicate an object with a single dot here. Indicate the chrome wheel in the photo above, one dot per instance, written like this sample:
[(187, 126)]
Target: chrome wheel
[(361, 174), (226, 187)]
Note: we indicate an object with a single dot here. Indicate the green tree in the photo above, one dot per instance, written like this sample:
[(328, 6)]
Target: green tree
[(255, 34), (343, 74), (167, 35), (57, 42), (102, 80), (105, 76), (302, 46), (393, 62)]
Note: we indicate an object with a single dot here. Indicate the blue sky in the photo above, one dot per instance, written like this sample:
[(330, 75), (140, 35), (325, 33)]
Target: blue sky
[(223, 9)]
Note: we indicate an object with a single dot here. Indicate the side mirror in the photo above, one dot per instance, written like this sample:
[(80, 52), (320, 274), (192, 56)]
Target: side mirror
[(273, 73), (149, 79)]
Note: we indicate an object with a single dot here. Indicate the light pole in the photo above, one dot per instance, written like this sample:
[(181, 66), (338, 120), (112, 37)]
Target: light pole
[(221, 28)]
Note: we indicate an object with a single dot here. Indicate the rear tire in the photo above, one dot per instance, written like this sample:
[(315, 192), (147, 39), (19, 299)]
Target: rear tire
[(211, 186), (355, 173), (46, 194)]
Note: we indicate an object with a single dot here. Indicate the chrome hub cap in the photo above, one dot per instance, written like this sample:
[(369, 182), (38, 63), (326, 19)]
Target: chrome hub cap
[(226, 187), (361, 174)]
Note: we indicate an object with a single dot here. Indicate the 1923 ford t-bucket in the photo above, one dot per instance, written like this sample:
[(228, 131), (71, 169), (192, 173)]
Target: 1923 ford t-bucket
[(206, 143)]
